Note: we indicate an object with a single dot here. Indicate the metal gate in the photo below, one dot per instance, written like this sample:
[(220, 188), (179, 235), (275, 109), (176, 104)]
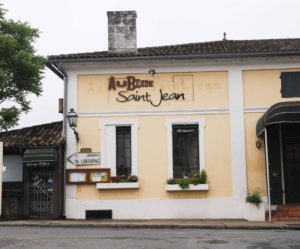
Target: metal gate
[(41, 193)]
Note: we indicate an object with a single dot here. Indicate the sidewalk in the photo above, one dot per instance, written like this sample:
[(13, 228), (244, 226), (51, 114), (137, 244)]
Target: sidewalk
[(199, 224)]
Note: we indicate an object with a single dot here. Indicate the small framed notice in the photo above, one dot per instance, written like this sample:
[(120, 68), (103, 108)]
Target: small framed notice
[(87, 176), (77, 177), (99, 177)]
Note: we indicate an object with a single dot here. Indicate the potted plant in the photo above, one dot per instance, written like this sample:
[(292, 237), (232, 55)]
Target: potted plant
[(254, 198), (254, 210), (120, 182), (196, 182)]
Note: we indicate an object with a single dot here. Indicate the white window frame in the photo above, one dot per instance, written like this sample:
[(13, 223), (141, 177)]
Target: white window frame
[(108, 132), (201, 124)]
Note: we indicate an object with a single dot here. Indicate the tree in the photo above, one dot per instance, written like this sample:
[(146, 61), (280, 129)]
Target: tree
[(21, 70)]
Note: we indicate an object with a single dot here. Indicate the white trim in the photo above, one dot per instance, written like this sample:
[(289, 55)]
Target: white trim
[(110, 161), (237, 134), (169, 123), (110, 150), (155, 112), (163, 208), (260, 109), (192, 187), (121, 185), (71, 143), (181, 66)]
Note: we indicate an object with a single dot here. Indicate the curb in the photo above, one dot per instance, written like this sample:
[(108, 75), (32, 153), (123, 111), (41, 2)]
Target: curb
[(152, 226)]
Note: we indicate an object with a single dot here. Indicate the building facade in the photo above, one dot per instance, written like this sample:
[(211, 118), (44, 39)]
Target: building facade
[(161, 118), (34, 172)]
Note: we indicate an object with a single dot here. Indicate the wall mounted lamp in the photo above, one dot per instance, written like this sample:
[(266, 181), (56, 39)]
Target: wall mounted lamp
[(152, 72), (72, 119), (258, 144)]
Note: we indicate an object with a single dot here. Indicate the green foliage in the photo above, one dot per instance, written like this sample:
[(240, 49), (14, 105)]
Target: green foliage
[(203, 177), (21, 70), (184, 183), (130, 178), (199, 178), (171, 181), (195, 179), (254, 198)]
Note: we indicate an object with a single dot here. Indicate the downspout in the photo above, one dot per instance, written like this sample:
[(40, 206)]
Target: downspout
[(61, 73), (64, 132), (65, 109), (282, 165), (268, 175)]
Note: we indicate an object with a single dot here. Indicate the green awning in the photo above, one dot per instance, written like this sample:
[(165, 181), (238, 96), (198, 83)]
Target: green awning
[(40, 157), (279, 113)]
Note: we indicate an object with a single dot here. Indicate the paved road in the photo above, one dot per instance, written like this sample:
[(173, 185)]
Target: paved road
[(102, 238)]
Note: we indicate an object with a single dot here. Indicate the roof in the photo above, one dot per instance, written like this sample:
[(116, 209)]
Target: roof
[(214, 49), (45, 135)]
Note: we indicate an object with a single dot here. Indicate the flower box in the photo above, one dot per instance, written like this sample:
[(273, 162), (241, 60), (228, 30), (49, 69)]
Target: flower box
[(192, 187), (119, 185), (254, 213)]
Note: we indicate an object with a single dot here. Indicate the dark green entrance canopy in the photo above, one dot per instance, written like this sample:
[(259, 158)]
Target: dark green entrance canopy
[(40, 157), (282, 112)]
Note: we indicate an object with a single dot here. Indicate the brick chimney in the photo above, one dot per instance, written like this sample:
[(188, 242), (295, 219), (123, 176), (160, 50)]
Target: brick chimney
[(121, 31)]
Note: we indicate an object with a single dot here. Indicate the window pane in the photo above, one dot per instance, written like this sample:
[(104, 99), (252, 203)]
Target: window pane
[(123, 135), (185, 150)]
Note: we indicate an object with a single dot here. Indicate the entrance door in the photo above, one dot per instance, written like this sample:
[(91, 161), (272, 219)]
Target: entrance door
[(41, 193), (292, 170)]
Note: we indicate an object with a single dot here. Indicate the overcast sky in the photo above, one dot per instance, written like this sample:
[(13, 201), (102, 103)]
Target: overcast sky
[(71, 26)]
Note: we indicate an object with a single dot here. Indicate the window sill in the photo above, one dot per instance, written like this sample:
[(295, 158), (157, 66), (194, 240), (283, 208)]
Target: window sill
[(192, 187), (120, 185)]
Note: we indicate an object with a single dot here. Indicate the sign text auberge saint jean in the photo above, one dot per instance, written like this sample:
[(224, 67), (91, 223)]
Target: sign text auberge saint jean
[(130, 86)]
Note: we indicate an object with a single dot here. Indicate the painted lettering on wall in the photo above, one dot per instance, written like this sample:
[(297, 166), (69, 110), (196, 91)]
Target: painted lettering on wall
[(131, 83)]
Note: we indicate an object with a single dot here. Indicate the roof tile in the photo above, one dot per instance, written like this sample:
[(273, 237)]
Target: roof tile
[(35, 136), (229, 48)]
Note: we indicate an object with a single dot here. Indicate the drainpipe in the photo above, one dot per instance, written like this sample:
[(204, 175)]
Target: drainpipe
[(268, 175), (65, 110), (282, 164), (64, 75), (61, 73)]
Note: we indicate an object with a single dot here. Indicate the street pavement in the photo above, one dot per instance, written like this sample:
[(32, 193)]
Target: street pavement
[(34, 237)]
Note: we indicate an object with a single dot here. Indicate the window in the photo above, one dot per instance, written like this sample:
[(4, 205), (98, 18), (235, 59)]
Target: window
[(123, 134), (290, 84), (119, 146), (185, 150), (185, 147)]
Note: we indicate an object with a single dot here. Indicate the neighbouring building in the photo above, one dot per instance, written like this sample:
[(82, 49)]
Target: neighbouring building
[(34, 173), (151, 120)]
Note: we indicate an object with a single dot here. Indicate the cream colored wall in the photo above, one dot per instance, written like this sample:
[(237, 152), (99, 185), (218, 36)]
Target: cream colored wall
[(261, 89), (202, 90), (256, 178), (152, 158)]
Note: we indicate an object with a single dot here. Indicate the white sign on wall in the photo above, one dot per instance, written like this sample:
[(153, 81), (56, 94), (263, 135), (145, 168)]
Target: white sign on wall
[(91, 158)]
